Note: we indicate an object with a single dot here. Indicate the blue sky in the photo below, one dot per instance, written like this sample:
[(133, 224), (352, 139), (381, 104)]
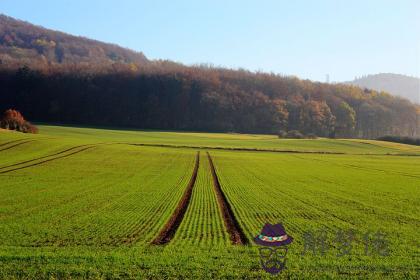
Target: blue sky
[(308, 39)]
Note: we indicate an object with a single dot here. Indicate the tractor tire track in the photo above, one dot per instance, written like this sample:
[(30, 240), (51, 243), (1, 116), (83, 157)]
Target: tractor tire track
[(170, 228), (11, 142), (15, 145), (48, 160), (39, 158), (358, 167), (236, 233)]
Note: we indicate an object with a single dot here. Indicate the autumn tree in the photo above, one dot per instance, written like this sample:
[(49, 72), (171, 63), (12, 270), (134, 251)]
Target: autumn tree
[(316, 118), (168, 95), (281, 113), (14, 120), (345, 120)]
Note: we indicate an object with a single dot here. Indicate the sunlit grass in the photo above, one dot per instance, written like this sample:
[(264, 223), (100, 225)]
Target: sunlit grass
[(94, 212)]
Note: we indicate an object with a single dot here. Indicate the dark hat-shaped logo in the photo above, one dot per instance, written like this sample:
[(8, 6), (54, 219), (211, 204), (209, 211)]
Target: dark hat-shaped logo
[(273, 235)]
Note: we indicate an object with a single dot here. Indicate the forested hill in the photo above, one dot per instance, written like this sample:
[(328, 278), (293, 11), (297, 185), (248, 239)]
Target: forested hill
[(22, 42), (398, 85), (167, 95)]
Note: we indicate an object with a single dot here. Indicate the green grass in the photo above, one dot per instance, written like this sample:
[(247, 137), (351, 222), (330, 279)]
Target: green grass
[(82, 201), (202, 225), (77, 211), (330, 192), (224, 140)]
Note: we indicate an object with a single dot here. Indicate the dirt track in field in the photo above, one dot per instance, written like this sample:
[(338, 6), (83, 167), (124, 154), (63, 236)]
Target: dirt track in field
[(233, 149), (35, 162), (408, 154), (170, 228), (231, 223), (14, 145), (39, 158), (11, 142)]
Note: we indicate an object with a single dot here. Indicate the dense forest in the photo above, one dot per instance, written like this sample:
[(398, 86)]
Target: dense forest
[(164, 95), (171, 96)]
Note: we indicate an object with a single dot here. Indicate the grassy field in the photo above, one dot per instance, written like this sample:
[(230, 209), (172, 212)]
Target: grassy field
[(87, 203)]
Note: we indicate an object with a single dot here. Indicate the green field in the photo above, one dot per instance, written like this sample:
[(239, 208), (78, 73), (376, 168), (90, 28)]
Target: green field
[(87, 203)]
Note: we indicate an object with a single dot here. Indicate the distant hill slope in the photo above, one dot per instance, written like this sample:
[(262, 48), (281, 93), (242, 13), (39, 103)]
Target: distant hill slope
[(25, 43), (399, 85)]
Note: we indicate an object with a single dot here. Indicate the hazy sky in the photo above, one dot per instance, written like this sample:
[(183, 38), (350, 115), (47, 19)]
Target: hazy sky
[(305, 38)]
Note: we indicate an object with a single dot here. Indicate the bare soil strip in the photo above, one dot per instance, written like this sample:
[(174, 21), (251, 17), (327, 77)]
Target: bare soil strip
[(170, 228), (15, 145), (235, 149), (270, 150), (237, 236), (47, 160)]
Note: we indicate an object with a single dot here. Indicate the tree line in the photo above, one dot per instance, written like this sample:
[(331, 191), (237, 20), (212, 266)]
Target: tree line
[(171, 96)]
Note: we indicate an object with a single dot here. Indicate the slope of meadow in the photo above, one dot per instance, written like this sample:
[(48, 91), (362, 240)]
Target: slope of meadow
[(223, 140), (86, 203)]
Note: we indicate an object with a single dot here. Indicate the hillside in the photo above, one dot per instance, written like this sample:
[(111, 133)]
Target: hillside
[(24, 43), (79, 203), (398, 85), (53, 77)]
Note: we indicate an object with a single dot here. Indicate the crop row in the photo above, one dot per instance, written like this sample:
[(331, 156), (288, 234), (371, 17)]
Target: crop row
[(306, 195), (125, 199), (132, 192), (171, 226), (203, 223)]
